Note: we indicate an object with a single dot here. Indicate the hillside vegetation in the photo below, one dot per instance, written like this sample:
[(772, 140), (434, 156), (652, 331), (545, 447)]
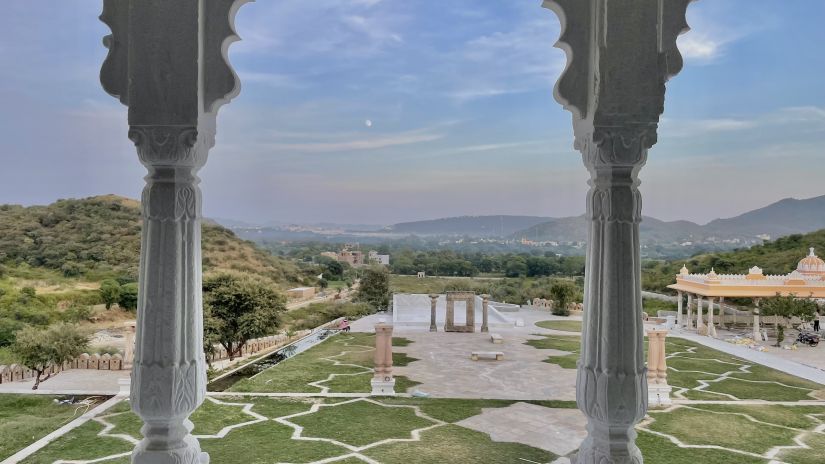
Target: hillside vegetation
[(99, 237), (780, 256)]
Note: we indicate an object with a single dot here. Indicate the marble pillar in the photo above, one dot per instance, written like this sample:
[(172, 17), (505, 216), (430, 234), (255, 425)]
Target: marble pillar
[(711, 326), (167, 63), (757, 332), (485, 304), (619, 59), (689, 321), (383, 383), (433, 305), (658, 389), (699, 322), (679, 308)]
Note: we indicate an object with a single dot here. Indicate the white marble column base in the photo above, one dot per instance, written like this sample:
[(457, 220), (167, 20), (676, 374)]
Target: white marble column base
[(658, 395), (383, 387)]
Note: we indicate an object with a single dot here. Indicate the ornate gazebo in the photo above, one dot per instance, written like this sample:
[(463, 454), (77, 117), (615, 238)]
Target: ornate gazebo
[(807, 281)]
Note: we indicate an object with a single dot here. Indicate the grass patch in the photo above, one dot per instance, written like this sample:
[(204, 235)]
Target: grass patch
[(569, 361), (81, 443), (360, 423), (815, 455), (700, 427), (451, 443), (294, 374), (27, 418), (564, 326), (556, 342), (745, 390), (660, 450)]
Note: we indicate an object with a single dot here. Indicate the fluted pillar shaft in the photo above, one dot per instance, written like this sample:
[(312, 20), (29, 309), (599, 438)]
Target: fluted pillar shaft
[(169, 374), (485, 306), (679, 303), (711, 327), (611, 388), (689, 322), (433, 305)]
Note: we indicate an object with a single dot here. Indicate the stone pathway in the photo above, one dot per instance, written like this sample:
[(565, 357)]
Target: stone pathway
[(559, 431), (775, 359)]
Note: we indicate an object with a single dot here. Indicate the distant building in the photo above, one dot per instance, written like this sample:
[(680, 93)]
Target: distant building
[(374, 257), (356, 258), (301, 293)]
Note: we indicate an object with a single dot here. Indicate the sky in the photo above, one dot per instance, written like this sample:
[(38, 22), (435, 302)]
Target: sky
[(381, 111)]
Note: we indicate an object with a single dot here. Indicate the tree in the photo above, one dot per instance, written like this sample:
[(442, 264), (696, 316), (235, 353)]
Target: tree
[(38, 349), (562, 293), (110, 292), (128, 298), (375, 288), (238, 308), (787, 307)]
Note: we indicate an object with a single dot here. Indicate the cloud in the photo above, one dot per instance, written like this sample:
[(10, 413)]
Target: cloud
[(362, 143), (802, 117)]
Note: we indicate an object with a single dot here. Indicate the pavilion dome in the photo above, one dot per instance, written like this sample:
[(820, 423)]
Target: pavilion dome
[(811, 265)]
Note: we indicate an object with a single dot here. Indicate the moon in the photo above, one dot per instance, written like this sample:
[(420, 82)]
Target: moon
[(368, 123)]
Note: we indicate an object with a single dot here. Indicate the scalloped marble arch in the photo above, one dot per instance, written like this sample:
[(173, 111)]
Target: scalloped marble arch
[(572, 90), (221, 83)]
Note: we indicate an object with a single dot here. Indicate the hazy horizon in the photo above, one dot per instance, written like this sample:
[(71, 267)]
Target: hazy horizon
[(378, 112)]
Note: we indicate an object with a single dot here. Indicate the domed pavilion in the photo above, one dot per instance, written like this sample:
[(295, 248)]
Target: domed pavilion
[(807, 281)]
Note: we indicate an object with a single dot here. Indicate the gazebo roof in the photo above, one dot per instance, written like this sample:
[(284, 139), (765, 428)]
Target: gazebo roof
[(806, 281)]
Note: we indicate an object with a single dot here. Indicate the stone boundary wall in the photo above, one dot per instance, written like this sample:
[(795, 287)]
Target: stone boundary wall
[(107, 362)]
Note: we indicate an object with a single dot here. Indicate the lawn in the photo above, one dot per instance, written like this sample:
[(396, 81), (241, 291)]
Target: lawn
[(563, 325), (262, 430), (340, 364), (327, 432), (700, 373), (27, 418)]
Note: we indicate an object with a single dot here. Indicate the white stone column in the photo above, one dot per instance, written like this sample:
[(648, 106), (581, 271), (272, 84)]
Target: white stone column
[(614, 86), (166, 62), (699, 322), (485, 306), (757, 333), (711, 327), (679, 309), (689, 322), (433, 303)]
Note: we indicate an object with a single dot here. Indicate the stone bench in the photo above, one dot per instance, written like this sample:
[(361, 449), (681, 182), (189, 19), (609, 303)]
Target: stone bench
[(497, 339), (492, 355)]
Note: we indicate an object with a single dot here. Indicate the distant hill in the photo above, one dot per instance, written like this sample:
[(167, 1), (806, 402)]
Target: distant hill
[(99, 237), (474, 226), (788, 216), (785, 217)]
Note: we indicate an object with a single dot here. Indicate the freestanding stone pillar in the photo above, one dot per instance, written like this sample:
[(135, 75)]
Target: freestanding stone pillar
[(619, 58), (433, 303), (699, 322), (658, 389), (167, 63), (383, 383), (129, 341), (485, 305), (679, 302)]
